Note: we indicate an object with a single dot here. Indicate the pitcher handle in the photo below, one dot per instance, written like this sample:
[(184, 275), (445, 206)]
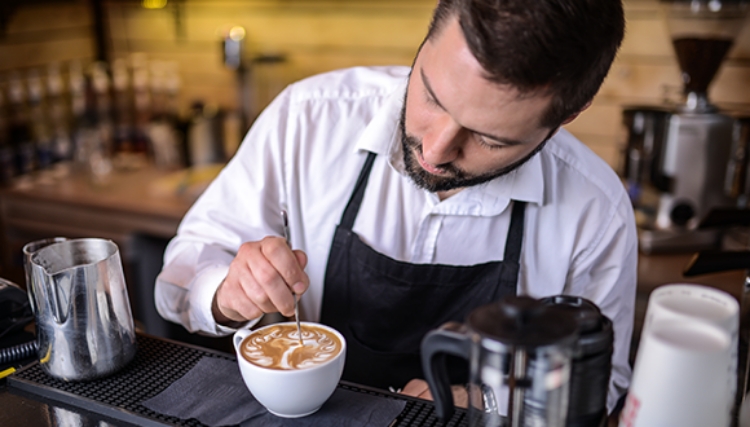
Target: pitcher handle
[(450, 339)]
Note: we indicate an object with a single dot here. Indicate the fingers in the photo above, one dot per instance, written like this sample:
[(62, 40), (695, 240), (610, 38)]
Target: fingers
[(420, 388), (301, 258), (301, 286), (417, 388), (282, 263), (460, 396), (270, 269), (262, 279)]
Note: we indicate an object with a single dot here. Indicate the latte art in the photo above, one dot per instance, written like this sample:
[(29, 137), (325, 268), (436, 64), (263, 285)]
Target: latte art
[(278, 347)]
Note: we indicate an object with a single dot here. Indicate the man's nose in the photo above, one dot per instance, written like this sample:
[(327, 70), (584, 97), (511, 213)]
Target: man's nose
[(443, 144)]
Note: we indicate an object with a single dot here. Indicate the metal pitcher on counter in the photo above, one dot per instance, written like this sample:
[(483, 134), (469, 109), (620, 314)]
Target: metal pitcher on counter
[(84, 323)]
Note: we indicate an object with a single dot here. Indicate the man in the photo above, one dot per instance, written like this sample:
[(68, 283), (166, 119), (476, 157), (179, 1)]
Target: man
[(416, 195)]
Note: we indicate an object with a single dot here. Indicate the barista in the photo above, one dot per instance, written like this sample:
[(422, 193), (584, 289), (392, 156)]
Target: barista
[(418, 194)]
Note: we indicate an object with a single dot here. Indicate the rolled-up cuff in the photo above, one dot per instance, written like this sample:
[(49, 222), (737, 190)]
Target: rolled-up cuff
[(202, 294)]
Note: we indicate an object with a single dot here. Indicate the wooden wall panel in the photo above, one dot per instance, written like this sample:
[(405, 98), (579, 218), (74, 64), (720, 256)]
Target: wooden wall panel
[(42, 18), (600, 118), (26, 55), (630, 82), (313, 36), (279, 26), (41, 34), (646, 35)]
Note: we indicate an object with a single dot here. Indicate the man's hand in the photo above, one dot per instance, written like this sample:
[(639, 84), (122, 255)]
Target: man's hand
[(262, 278), (419, 388)]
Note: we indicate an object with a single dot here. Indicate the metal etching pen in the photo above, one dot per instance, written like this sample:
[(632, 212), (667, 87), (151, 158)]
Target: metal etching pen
[(288, 237)]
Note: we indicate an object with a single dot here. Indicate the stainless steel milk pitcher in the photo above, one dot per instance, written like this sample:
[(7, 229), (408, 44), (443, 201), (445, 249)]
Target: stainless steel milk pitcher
[(84, 323)]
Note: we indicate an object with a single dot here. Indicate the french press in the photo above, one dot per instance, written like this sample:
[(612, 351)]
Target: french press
[(520, 354)]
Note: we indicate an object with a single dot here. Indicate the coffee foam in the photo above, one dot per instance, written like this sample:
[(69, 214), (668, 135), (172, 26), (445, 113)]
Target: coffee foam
[(278, 347)]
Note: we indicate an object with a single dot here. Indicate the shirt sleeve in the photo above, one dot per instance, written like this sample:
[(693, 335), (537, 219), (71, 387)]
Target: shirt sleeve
[(607, 275), (240, 205)]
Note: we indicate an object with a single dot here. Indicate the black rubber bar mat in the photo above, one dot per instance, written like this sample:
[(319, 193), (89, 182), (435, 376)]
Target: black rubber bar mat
[(158, 363)]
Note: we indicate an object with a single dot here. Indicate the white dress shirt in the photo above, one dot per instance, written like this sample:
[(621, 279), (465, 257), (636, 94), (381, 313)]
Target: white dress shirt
[(305, 152)]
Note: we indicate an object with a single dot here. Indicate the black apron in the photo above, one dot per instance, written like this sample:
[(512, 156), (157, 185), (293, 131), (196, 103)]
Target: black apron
[(384, 307)]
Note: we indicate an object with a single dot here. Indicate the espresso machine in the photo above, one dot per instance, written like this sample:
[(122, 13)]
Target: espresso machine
[(677, 157)]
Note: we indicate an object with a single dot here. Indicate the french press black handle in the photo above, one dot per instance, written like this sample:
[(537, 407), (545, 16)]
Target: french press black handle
[(725, 217), (450, 339), (713, 261)]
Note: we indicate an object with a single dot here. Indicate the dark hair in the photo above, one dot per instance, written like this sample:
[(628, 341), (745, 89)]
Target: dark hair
[(560, 47)]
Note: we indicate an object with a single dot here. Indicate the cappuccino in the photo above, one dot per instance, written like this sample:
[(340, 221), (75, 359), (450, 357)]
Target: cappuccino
[(278, 347)]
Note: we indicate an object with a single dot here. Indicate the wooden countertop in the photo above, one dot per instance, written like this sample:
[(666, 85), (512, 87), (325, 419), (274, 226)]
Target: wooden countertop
[(147, 200), (135, 192)]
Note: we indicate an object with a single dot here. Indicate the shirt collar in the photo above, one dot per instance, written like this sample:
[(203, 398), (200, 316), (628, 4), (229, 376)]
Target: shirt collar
[(382, 132), (381, 136)]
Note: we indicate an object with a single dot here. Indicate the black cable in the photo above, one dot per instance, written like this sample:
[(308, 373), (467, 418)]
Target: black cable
[(18, 352)]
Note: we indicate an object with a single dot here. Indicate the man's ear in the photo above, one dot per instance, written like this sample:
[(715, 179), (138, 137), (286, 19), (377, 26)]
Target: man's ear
[(573, 116)]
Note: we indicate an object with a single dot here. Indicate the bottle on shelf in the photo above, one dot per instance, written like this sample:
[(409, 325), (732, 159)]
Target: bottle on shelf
[(7, 155), (205, 135), (41, 133), (142, 101), (19, 129), (92, 151), (123, 109), (59, 118), (162, 128), (101, 84)]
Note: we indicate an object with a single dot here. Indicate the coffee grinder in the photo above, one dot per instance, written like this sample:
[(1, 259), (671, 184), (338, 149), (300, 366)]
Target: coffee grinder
[(676, 157)]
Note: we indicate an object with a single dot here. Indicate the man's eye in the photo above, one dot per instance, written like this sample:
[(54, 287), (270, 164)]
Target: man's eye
[(483, 141), (431, 101)]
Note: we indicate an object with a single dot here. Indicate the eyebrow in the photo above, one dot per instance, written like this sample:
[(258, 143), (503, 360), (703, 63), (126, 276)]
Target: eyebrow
[(503, 140)]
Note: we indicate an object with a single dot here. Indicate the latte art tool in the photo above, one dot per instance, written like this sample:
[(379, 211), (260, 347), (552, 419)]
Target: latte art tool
[(288, 237)]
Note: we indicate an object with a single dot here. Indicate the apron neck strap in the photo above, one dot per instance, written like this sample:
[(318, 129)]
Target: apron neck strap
[(352, 207), (515, 232)]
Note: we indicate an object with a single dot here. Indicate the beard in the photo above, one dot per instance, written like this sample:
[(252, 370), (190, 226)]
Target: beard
[(453, 177)]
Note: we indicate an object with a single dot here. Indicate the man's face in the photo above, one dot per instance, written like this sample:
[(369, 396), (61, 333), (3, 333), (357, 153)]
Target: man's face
[(458, 128)]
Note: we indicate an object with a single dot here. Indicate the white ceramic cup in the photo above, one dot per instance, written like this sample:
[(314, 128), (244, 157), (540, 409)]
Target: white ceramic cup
[(679, 377), (290, 393), (681, 301)]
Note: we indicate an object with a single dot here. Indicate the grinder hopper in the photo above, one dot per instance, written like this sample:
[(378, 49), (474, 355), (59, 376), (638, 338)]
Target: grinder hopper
[(702, 32)]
